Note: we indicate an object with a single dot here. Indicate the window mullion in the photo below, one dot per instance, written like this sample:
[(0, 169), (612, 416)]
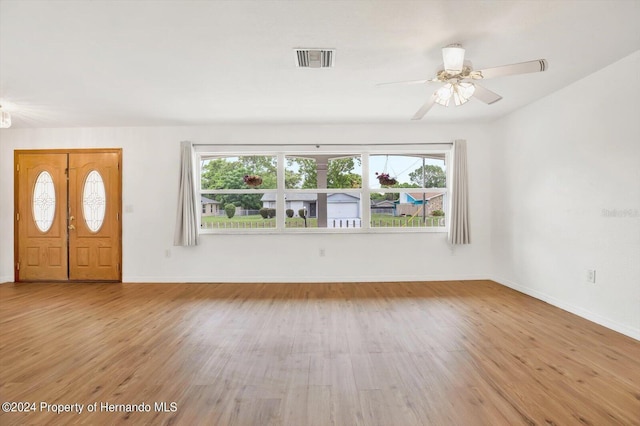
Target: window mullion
[(365, 198), (280, 201)]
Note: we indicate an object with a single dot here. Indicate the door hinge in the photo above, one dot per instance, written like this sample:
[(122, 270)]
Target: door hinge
[(17, 217), (18, 266), (117, 216), (18, 167)]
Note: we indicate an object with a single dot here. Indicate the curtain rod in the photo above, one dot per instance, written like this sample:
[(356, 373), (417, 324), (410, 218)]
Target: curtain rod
[(318, 145)]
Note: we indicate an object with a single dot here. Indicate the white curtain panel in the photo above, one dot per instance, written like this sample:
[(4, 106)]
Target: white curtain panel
[(187, 220), (459, 216)]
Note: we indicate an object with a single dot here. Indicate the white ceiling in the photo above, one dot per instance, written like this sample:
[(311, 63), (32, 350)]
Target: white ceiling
[(149, 63)]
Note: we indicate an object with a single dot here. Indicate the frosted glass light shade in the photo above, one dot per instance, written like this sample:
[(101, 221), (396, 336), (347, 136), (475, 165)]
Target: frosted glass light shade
[(453, 58), (443, 95), (463, 92)]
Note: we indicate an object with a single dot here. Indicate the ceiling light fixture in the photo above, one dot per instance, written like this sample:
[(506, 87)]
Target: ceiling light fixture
[(5, 119), (461, 93), (453, 57), (452, 75), (444, 94)]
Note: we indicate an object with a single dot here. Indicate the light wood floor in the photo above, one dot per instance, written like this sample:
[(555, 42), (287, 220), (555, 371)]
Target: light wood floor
[(437, 353)]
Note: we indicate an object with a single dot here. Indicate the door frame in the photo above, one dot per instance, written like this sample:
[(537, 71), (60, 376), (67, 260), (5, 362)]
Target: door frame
[(16, 193)]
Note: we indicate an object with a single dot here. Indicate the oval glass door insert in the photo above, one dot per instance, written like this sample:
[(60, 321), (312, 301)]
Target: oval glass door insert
[(94, 201), (44, 201)]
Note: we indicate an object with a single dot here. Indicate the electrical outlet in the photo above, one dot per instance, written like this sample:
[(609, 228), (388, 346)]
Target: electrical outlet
[(167, 253), (322, 252), (591, 276)]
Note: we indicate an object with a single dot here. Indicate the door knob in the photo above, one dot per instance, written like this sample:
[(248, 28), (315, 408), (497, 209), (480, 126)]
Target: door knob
[(72, 227)]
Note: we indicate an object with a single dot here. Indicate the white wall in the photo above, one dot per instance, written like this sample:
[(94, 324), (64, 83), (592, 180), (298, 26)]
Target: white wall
[(563, 165), (150, 176)]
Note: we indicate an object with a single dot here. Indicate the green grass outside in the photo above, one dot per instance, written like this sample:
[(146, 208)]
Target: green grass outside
[(256, 221)]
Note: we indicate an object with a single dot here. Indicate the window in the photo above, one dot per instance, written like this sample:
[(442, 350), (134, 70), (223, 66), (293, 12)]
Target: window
[(408, 190), (315, 189), (231, 182)]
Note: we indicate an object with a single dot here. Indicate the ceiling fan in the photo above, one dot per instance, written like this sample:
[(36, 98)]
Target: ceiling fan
[(460, 79)]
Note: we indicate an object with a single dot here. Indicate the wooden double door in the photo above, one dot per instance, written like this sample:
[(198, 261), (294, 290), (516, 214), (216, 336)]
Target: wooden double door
[(68, 207)]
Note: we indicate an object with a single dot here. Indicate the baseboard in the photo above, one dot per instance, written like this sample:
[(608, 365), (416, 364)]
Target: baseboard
[(632, 332)]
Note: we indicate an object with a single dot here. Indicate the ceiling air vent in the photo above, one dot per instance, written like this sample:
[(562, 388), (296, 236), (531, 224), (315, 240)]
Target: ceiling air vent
[(314, 58)]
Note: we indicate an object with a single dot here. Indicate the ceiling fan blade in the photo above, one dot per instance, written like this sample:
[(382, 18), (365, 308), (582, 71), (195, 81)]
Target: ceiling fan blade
[(404, 82), (485, 95), (425, 108), (538, 65)]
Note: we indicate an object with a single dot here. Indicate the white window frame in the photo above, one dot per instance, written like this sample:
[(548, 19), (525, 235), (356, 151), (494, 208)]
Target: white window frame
[(284, 150)]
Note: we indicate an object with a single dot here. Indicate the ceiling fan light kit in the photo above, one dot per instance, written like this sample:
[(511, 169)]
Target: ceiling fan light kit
[(460, 92), (463, 92), (460, 79), (443, 94)]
